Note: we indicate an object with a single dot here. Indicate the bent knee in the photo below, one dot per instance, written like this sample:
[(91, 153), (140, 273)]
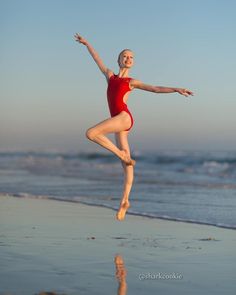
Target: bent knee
[(91, 134)]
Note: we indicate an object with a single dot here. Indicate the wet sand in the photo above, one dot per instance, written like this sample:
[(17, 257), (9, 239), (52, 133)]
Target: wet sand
[(69, 248)]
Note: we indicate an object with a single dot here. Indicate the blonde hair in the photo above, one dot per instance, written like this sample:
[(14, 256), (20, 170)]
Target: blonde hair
[(119, 56)]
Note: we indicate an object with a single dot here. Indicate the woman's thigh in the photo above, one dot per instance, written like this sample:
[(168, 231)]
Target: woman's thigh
[(115, 124)]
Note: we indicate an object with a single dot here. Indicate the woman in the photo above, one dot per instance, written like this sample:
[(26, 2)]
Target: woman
[(121, 121)]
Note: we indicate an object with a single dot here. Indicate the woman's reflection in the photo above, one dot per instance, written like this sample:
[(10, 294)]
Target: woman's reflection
[(120, 275)]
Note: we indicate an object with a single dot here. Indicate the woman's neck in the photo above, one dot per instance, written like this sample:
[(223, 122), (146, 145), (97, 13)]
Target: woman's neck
[(123, 72)]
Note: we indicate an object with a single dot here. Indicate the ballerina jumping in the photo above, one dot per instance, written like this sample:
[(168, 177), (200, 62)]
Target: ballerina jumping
[(121, 121)]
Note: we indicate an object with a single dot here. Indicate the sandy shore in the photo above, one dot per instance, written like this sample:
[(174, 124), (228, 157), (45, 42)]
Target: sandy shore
[(69, 248)]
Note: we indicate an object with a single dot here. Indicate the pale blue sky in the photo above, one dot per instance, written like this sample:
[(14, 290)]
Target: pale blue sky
[(51, 90)]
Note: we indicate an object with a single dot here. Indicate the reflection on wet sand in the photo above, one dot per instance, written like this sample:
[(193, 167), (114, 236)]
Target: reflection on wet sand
[(121, 273)]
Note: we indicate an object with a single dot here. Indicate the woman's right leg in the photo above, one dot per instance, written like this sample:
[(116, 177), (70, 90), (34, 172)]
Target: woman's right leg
[(122, 143), (112, 125)]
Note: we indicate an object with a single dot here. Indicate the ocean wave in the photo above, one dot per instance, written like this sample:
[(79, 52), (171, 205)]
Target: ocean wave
[(166, 182), (158, 157), (150, 167), (131, 212)]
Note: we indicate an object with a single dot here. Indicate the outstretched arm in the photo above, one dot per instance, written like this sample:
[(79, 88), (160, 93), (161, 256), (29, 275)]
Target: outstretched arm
[(159, 89), (94, 55)]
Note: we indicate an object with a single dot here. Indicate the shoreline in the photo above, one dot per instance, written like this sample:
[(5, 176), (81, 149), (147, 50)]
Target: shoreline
[(71, 248), (145, 215)]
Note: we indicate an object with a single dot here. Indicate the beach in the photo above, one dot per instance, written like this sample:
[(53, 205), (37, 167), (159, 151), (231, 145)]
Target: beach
[(72, 248)]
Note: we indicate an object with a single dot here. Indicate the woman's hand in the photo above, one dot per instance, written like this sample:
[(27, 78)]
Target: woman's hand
[(94, 55), (80, 39), (184, 91)]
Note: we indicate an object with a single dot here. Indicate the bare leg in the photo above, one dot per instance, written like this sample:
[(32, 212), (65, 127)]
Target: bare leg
[(112, 125), (122, 142)]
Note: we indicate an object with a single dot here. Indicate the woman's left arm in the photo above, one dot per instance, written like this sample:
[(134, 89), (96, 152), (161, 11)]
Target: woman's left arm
[(159, 89)]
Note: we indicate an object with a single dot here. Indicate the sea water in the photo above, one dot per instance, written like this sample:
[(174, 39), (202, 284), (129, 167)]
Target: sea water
[(198, 187)]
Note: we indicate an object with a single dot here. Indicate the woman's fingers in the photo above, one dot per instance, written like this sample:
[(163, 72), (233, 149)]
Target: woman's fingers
[(78, 37), (186, 92), (189, 92)]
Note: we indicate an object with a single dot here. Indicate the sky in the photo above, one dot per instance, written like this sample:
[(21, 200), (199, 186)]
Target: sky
[(51, 90)]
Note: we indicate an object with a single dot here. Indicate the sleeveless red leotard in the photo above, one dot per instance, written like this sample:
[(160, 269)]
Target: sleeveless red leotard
[(116, 90)]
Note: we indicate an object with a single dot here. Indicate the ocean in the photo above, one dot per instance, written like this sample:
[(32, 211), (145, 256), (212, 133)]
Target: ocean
[(197, 187)]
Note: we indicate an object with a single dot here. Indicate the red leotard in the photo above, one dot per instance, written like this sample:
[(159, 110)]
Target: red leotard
[(116, 90)]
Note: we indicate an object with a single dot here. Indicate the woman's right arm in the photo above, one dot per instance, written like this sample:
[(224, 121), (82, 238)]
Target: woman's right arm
[(107, 72)]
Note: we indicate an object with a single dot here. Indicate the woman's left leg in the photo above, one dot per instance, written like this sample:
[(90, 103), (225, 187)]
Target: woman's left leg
[(122, 143), (114, 124)]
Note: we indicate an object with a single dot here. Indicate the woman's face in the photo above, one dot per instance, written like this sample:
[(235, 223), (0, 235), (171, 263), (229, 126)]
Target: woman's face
[(126, 59)]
